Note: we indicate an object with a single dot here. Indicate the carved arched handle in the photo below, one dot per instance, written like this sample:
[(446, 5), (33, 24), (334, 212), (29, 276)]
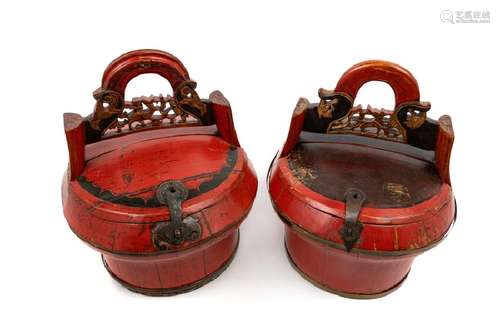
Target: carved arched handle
[(110, 97), (129, 65), (113, 115), (336, 114), (402, 82)]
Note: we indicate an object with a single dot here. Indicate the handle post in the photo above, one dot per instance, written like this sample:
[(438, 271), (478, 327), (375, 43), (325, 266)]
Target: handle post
[(74, 129), (444, 144), (224, 117), (296, 125)]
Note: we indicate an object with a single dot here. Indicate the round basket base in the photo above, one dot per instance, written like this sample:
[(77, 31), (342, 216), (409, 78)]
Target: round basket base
[(178, 289), (342, 293)]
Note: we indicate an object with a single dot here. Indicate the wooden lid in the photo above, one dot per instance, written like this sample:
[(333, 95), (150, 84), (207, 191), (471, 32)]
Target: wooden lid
[(388, 179), (113, 204)]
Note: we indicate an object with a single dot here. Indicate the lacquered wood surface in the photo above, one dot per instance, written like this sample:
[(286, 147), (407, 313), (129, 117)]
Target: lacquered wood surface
[(409, 205), (125, 229), (393, 229), (108, 192), (388, 179), (402, 82), (176, 270), (342, 272), (131, 64)]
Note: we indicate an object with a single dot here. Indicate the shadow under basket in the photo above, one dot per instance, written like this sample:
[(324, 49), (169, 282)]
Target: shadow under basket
[(362, 192), (159, 185)]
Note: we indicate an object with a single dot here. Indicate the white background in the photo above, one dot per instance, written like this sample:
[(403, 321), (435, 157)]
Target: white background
[(263, 57)]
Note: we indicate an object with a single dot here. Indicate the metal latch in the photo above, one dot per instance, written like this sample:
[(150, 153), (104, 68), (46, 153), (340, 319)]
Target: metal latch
[(352, 228), (177, 230)]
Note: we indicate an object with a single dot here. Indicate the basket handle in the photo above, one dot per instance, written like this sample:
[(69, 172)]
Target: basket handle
[(110, 104), (129, 65), (335, 113), (402, 82), (110, 97)]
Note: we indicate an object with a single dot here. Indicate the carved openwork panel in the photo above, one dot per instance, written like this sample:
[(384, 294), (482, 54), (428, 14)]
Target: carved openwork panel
[(113, 116), (370, 122), (152, 111)]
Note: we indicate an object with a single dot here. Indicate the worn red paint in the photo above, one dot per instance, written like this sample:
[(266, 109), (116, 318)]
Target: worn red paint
[(109, 189), (391, 237)]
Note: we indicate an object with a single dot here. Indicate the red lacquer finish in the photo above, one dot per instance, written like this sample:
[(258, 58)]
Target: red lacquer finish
[(402, 82), (175, 272), (339, 272), (396, 226), (123, 152)]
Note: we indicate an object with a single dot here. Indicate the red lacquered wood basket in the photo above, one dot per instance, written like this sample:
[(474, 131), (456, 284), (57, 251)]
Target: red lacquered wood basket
[(159, 185), (362, 192)]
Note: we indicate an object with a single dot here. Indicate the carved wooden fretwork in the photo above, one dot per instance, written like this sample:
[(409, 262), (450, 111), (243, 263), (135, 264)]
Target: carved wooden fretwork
[(415, 118), (327, 103), (370, 122), (152, 111), (113, 116), (108, 106)]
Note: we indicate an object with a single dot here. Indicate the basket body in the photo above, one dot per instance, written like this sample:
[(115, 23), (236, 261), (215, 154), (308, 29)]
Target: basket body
[(362, 192), (161, 197)]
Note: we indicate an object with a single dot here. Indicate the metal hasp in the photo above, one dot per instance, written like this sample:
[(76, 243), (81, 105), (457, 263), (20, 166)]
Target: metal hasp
[(177, 230), (352, 228)]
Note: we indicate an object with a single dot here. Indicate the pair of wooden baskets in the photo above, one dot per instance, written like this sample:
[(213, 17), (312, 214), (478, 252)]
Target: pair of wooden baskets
[(159, 185)]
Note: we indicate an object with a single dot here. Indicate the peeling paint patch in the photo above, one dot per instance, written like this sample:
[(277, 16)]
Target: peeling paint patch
[(300, 171), (399, 193)]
